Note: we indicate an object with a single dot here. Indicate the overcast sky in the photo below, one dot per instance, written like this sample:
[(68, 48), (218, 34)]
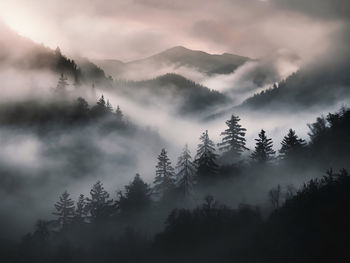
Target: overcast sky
[(131, 29)]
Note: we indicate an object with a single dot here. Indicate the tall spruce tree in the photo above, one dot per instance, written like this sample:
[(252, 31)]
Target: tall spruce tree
[(164, 182), (119, 114), (206, 158), (233, 142), (100, 206), (317, 129), (100, 109), (186, 173), (291, 145), (109, 107), (263, 148), (101, 102), (136, 197), (64, 210), (80, 210)]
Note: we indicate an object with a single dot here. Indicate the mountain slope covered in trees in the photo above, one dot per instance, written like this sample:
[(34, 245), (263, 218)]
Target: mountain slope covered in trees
[(324, 84), (188, 96), (21, 53), (101, 226)]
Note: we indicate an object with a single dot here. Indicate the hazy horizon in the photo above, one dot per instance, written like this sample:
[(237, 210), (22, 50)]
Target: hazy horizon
[(130, 30)]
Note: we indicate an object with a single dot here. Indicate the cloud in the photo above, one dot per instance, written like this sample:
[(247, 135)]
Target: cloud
[(130, 29), (323, 9)]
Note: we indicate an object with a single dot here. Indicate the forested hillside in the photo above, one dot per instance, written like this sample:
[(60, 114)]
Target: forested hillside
[(130, 225)]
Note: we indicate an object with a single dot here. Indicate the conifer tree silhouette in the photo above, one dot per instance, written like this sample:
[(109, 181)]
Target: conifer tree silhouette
[(164, 182), (291, 145), (233, 142), (263, 148), (80, 210), (119, 114), (136, 197), (64, 209), (206, 158), (99, 205), (186, 173)]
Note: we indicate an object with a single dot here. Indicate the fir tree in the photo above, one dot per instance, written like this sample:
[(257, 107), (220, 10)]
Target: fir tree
[(100, 109), (263, 148), (136, 197), (291, 145), (164, 182), (119, 114), (317, 129), (186, 173), (82, 110), (64, 209), (206, 158), (80, 210), (101, 102), (62, 84), (58, 52), (109, 107), (233, 142), (99, 205)]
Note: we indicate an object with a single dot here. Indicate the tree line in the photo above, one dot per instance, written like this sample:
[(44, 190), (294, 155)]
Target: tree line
[(179, 182), (84, 230)]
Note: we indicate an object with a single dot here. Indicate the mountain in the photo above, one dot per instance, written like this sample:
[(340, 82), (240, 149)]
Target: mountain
[(303, 91), (171, 60), (23, 54), (20, 53), (173, 90), (323, 83)]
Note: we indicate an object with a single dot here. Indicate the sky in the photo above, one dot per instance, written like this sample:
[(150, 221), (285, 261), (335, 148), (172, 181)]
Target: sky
[(133, 29)]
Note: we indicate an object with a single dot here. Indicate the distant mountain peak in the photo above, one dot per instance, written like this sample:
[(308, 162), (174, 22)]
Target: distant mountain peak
[(172, 59), (179, 48)]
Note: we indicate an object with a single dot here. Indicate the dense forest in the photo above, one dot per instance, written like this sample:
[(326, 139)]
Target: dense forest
[(188, 97), (164, 221)]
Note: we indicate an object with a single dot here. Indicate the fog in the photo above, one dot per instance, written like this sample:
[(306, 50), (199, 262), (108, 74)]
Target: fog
[(44, 165), (36, 166)]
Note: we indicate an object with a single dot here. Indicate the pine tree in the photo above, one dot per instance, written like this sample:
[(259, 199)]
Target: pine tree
[(206, 158), (99, 205), (100, 109), (119, 114), (164, 182), (263, 149), (317, 129), (62, 84), (233, 142), (109, 107), (64, 209), (81, 111), (186, 173), (291, 145), (58, 52), (136, 197), (101, 102), (80, 210)]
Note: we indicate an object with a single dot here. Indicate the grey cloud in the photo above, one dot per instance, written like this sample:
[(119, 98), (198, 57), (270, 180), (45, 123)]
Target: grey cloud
[(126, 29), (324, 9)]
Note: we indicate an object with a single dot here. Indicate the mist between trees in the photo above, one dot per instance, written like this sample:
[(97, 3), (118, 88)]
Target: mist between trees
[(75, 146)]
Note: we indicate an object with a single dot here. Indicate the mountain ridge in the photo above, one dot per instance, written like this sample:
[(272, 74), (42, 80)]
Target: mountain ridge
[(173, 59)]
